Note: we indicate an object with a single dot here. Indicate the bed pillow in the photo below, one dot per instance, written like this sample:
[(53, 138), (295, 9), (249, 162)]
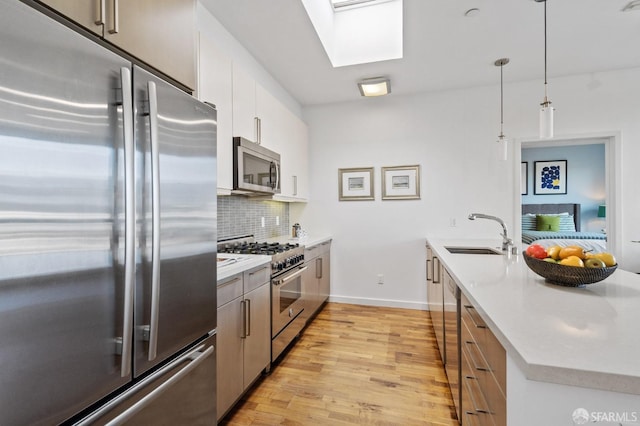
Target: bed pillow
[(529, 222), (567, 224), (547, 223)]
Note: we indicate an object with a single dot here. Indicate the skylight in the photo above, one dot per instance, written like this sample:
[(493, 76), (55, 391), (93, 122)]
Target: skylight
[(353, 34)]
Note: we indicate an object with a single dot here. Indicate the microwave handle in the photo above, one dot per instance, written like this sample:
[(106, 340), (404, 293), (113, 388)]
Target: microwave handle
[(277, 175)]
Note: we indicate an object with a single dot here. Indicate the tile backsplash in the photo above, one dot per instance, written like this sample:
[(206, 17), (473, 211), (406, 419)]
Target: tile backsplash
[(239, 215)]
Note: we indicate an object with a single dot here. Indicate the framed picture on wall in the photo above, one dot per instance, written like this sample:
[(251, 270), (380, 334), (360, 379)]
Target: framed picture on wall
[(355, 184), (401, 183), (550, 177), (524, 178)]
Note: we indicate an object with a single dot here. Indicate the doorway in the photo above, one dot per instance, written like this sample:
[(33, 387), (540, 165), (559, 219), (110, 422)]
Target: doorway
[(612, 176)]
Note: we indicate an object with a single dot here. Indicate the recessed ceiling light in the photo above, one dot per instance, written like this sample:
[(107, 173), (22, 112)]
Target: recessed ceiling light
[(632, 5), (377, 86)]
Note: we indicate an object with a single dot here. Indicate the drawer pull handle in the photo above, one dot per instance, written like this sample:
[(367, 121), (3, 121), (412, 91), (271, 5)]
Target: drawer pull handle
[(473, 356), (477, 324)]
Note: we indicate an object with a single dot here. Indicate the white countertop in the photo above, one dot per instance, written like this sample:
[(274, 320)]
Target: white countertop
[(588, 337), (243, 262)]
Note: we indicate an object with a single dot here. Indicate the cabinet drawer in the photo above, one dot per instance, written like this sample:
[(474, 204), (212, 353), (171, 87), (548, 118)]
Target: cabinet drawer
[(312, 252), (229, 289), (475, 409), (254, 278), (488, 346)]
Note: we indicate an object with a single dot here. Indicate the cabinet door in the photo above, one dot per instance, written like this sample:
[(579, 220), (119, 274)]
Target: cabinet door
[(293, 148), (324, 285), (257, 344), (244, 104), (229, 355), (158, 32), (88, 13), (436, 306), (273, 130), (310, 288), (215, 86)]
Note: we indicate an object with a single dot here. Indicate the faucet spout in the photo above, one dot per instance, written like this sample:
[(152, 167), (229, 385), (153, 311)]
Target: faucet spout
[(506, 241)]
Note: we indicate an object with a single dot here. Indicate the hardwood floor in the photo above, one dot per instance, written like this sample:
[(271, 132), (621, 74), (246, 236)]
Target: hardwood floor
[(354, 365)]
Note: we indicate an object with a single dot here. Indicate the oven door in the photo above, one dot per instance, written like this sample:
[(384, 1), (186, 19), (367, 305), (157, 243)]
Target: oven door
[(286, 299)]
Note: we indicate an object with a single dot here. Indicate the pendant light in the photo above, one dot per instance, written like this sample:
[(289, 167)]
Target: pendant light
[(502, 139), (546, 110)]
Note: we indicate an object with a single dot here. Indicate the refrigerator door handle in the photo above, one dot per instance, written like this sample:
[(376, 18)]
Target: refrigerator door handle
[(155, 221), (129, 212), (197, 357)]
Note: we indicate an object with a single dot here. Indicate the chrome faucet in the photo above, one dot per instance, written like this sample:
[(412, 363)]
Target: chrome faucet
[(506, 241)]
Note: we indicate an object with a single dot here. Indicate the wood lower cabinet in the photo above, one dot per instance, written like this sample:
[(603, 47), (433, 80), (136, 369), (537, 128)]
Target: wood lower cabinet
[(243, 333), (483, 367)]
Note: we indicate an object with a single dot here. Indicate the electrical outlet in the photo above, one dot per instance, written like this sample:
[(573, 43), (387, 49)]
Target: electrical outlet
[(277, 220), (380, 279), (262, 221)]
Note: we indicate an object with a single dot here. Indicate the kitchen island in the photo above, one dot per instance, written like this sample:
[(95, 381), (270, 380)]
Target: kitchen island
[(567, 348)]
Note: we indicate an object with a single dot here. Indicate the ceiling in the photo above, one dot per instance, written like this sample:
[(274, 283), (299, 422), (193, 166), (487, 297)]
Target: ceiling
[(443, 49)]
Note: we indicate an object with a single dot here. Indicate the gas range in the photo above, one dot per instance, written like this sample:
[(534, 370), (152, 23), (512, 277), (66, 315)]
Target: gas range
[(284, 256)]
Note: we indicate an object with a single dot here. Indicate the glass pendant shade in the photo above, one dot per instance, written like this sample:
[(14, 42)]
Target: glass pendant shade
[(503, 149), (546, 121)]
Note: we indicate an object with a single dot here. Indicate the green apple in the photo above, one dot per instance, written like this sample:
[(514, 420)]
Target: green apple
[(549, 259), (594, 263)]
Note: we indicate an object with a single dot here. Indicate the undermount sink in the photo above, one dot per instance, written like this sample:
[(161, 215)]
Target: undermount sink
[(473, 250)]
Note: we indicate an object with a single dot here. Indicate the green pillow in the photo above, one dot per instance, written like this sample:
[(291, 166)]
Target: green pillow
[(547, 223)]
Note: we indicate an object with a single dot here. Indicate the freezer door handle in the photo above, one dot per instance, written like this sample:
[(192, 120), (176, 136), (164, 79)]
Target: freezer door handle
[(129, 226), (196, 357), (155, 221)]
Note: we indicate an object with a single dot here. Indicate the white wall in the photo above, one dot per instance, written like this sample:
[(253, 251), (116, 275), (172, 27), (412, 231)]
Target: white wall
[(452, 136)]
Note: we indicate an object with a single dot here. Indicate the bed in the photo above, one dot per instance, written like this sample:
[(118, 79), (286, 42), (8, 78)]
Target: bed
[(569, 229)]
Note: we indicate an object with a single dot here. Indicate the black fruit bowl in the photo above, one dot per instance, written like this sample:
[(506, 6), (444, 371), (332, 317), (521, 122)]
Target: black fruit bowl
[(568, 276)]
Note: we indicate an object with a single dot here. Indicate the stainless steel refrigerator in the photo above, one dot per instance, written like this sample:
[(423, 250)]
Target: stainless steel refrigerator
[(107, 235)]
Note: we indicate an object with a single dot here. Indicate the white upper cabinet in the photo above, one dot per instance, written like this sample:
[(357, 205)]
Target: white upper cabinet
[(248, 110), (214, 86), (160, 33), (244, 105), (295, 160)]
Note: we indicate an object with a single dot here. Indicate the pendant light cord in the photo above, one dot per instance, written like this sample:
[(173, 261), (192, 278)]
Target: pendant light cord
[(546, 101), (501, 103)]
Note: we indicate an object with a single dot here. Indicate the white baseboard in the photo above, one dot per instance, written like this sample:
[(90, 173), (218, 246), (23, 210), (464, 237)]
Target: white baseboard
[(387, 303)]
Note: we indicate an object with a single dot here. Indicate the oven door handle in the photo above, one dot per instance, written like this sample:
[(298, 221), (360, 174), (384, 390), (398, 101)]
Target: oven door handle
[(290, 277)]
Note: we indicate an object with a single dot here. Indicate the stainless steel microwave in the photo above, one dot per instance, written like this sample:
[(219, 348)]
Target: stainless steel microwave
[(256, 169)]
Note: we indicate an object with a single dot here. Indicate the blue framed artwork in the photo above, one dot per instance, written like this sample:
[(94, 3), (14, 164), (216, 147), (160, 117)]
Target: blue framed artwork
[(550, 177)]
